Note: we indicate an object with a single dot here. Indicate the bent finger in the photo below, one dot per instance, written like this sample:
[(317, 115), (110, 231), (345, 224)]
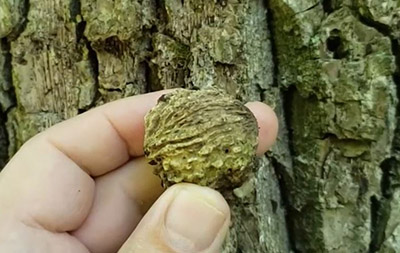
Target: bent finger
[(121, 199), (106, 137)]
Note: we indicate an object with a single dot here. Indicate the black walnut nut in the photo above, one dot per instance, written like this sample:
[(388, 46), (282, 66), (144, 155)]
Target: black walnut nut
[(201, 136)]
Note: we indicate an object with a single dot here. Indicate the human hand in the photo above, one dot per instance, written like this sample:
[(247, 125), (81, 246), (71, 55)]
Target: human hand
[(83, 186)]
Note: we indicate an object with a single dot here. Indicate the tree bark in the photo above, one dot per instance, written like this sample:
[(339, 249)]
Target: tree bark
[(329, 68)]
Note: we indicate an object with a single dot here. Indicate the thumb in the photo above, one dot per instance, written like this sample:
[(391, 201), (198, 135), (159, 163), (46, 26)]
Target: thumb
[(186, 218)]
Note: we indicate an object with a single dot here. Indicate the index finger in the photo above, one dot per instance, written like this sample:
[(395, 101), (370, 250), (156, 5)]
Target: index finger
[(106, 137)]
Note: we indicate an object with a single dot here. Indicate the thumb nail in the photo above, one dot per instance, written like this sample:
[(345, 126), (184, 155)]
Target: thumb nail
[(195, 218)]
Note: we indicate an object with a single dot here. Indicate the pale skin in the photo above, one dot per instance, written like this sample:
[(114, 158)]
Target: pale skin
[(84, 186)]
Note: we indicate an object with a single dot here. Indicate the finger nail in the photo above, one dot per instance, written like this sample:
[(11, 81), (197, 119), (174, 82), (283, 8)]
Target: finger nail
[(194, 219)]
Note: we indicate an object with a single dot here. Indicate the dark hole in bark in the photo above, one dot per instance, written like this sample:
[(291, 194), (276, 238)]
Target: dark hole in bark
[(274, 205), (327, 6), (114, 45), (368, 49), (334, 44), (223, 3), (329, 136)]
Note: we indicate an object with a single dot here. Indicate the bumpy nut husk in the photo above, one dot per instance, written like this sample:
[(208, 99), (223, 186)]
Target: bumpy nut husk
[(204, 137)]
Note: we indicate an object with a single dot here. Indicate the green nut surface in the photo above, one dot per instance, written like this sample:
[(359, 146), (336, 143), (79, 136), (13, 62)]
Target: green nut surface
[(204, 137)]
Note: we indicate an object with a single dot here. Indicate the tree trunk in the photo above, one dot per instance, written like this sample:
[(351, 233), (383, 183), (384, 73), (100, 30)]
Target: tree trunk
[(329, 68)]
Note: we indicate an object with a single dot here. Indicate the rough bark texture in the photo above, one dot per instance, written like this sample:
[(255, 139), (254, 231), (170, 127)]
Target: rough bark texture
[(329, 68)]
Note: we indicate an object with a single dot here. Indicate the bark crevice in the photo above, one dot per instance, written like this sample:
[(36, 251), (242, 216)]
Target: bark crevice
[(75, 12), (381, 206), (23, 10), (7, 99), (270, 19), (309, 8), (327, 6), (283, 177)]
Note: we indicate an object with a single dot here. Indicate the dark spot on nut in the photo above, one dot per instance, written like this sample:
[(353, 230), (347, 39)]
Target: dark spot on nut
[(162, 98)]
